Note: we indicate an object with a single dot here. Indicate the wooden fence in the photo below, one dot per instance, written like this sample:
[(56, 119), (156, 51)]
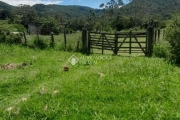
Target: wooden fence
[(120, 42)]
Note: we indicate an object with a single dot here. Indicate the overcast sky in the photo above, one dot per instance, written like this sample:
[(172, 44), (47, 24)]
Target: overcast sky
[(90, 3)]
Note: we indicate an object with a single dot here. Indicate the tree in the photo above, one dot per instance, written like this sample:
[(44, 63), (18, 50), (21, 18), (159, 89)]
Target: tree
[(91, 19), (110, 7), (28, 14), (138, 10), (49, 25), (4, 14)]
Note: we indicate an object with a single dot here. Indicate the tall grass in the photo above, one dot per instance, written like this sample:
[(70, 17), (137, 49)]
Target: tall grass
[(115, 88)]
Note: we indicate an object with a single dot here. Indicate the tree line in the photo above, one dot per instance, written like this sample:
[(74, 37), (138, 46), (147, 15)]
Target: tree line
[(107, 18)]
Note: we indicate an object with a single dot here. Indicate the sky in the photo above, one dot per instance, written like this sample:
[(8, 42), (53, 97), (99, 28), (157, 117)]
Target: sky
[(89, 3)]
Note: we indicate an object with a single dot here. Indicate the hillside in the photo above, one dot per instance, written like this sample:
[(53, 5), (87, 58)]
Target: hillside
[(157, 9), (68, 11), (5, 6)]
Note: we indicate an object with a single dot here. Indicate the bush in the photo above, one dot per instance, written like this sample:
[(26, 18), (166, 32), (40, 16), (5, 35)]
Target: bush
[(2, 38), (19, 27), (161, 49), (15, 38), (39, 43), (49, 27), (173, 36)]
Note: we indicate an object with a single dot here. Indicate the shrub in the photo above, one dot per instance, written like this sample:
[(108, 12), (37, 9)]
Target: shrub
[(2, 38), (15, 38), (19, 27), (39, 43), (161, 49), (49, 27), (173, 36)]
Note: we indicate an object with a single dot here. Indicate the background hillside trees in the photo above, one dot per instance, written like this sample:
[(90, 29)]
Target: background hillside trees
[(27, 14)]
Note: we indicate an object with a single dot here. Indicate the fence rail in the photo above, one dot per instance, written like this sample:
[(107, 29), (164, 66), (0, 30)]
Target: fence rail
[(120, 42)]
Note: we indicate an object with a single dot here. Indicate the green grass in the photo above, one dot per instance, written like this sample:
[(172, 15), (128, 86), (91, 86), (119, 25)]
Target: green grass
[(71, 41), (98, 87)]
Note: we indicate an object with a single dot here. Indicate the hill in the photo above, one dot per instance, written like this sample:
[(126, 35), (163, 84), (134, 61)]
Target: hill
[(5, 6), (70, 11), (156, 9)]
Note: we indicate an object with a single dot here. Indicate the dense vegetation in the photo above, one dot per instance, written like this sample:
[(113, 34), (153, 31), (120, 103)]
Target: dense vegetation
[(173, 36), (109, 17), (155, 9)]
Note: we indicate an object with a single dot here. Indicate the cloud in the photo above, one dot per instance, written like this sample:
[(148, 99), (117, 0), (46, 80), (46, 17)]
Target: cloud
[(31, 2)]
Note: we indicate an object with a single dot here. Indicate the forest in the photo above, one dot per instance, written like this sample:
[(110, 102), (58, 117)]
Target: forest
[(113, 15)]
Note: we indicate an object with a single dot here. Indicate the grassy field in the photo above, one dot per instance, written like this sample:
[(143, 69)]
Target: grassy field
[(72, 40), (97, 87)]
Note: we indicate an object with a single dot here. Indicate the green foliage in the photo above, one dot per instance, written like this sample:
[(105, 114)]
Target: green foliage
[(6, 28), (2, 38), (28, 14), (121, 23), (173, 36), (39, 43), (15, 39), (4, 14), (49, 27), (19, 27), (161, 49), (155, 9), (63, 12)]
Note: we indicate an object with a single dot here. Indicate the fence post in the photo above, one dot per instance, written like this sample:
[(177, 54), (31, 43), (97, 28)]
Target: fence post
[(85, 41), (116, 44), (24, 34), (77, 47), (150, 40), (155, 36), (159, 34), (130, 41), (103, 35), (65, 38), (88, 43), (163, 35), (52, 40)]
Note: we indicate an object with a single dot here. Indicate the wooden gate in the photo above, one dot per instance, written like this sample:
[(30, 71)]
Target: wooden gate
[(122, 42)]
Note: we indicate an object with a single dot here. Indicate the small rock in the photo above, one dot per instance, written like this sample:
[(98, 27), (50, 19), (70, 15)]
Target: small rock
[(66, 69)]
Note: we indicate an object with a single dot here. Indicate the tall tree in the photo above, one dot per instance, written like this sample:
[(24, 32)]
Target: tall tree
[(138, 10), (28, 14), (111, 6)]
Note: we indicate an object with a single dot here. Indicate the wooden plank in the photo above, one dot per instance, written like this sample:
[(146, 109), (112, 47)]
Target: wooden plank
[(100, 42), (101, 45), (101, 48), (131, 42), (134, 47)]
